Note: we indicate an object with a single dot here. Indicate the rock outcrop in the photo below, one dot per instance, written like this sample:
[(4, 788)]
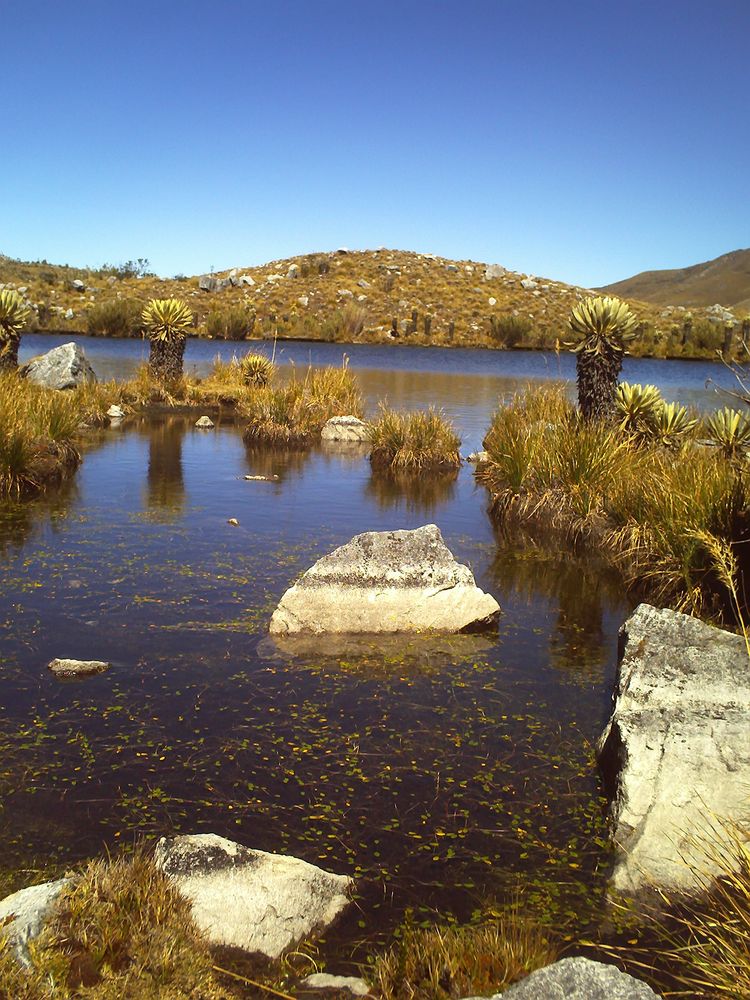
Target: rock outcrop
[(676, 749), (347, 428), (250, 899), (579, 979), (22, 915), (63, 367), (385, 581)]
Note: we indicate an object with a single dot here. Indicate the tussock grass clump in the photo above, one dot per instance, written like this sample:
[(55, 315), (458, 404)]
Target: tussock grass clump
[(37, 427), (422, 440), (474, 960), (696, 947), (648, 503), (234, 323), (121, 931), (116, 318), (294, 414)]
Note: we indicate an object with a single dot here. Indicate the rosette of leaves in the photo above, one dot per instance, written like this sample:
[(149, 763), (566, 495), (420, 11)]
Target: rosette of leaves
[(729, 431), (167, 321), (13, 316), (257, 370), (671, 424), (636, 407), (602, 326)]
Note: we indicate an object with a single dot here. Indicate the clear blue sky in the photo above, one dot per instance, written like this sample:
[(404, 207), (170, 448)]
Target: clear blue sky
[(577, 140)]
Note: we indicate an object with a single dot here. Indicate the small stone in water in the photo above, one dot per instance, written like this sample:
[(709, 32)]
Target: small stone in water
[(77, 668), (233, 520), (261, 479), (204, 421)]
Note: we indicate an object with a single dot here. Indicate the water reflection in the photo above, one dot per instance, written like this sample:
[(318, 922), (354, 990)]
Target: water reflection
[(580, 591), (373, 655), (165, 485), (274, 463), (418, 492), (20, 521)]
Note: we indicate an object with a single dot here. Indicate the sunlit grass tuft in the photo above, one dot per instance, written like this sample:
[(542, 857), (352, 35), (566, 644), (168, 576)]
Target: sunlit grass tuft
[(647, 505), (121, 930), (440, 963), (421, 440)]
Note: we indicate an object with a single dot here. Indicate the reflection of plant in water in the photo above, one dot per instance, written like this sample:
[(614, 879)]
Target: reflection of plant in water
[(269, 461), (165, 497), (578, 587), (419, 492)]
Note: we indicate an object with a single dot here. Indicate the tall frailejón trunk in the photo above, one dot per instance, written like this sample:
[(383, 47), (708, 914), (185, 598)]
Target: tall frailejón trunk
[(597, 375), (165, 360), (9, 354)]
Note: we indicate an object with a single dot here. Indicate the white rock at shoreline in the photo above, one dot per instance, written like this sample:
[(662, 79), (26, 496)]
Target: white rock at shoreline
[(676, 750), (22, 915), (250, 899)]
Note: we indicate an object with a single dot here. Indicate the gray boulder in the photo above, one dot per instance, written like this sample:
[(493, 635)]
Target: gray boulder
[(77, 668), (385, 581), (63, 367), (347, 428), (250, 899), (22, 915), (579, 979), (528, 283), (210, 283), (676, 750), (494, 271)]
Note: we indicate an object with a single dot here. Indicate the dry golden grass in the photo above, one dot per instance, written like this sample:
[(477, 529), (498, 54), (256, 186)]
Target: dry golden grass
[(122, 932), (651, 509), (384, 285), (424, 440), (442, 963)]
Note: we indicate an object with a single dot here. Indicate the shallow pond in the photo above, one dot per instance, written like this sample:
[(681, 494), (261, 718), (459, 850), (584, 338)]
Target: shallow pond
[(445, 774)]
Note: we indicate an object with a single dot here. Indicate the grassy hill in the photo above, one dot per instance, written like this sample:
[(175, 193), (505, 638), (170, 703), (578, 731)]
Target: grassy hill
[(347, 296), (725, 280)]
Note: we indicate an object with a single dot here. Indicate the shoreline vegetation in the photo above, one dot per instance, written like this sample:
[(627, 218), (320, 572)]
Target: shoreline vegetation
[(658, 491), (378, 296)]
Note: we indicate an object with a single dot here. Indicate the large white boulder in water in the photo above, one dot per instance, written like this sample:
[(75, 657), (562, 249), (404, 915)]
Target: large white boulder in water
[(676, 749), (63, 367), (385, 581), (250, 899)]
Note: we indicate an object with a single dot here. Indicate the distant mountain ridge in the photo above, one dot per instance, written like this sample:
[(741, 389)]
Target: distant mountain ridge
[(725, 280)]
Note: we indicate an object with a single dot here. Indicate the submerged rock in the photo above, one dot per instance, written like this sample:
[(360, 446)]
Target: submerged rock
[(578, 979), (386, 581), (676, 749), (22, 915), (478, 458), (64, 367), (322, 981), (250, 899), (77, 668), (204, 421), (346, 428)]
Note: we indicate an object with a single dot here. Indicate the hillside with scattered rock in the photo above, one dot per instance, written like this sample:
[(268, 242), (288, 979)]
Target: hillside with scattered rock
[(352, 296)]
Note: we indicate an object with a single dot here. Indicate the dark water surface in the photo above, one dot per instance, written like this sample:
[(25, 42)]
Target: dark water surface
[(466, 383), (445, 774), (442, 773)]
